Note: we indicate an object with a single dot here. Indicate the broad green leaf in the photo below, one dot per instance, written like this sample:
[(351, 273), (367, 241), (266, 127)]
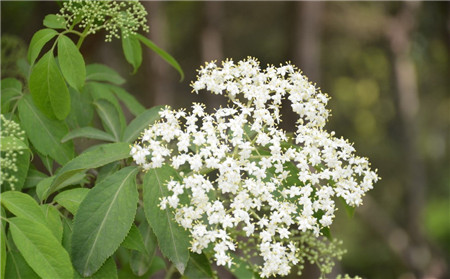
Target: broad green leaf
[(132, 51), (100, 156), (172, 238), (141, 261), (48, 88), (141, 122), (11, 143), (129, 100), (17, 267), (157, 264), (40, 38), (164, 55), (46, 139), (71, 199), (134, 240), (44, 188), (198, 267), (81, 109), (53, 21), (71, 63), (107, 271), (103, 220), (88, 132), (107, 170), (23, 205), (40, 248), (11, 90), (2, 244), (67, 234), (110, 117), (53, 220), (100, 72), (33, 178)]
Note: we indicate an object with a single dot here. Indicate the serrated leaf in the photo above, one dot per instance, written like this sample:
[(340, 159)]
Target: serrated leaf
[(71, 63), (100, 72), (172, 238), (40, 249), (39, 39), (88, 132), (132, 51), (17, 267), (53, 21), (128, 100), (110, 117), (53, 220), (141, 122), (46, 139), (48, 88), (198, 267), (71, 199), (11, 143), (164, 55), (103, 220), (107, 271), (140, 262)]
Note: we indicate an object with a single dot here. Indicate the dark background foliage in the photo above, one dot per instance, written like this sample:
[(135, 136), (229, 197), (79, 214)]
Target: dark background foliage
[(385, 66)]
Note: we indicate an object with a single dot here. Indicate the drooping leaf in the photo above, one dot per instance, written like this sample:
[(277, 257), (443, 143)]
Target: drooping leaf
[(164, 55), (71, 199), (47, 138), (71, 63), (132, 51), (103, 220), (39, 39), (40, 248), (53, 220), (100, 72), (107, 271), (172, 238), (12, 143), (53, 21), (198, 267), (48, 88), (110, 118), (141, 261), (97, 157), (17, 267), (88, 132), (141, 122), (128, 100)]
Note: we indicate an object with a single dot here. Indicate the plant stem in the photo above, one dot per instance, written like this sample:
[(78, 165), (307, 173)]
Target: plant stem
[(170, 272), (82, 36)]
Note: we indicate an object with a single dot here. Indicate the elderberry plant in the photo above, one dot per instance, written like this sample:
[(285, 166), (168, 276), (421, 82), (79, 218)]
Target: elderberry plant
[(229, 188)]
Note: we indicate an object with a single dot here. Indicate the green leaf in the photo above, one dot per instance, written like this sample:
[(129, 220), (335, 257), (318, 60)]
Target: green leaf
[(47, 162), (48, 88), (2, 244), (71, 63), (71, 199), (100, 156), (46, 139), (44, 187), (11, 143), (132, 50), (107, 170), (349, 209), (142, 121), (141, 261), (67, 234), (53, 220), (100, 72), (39, 39), (103, 220), (134, 240), (198, 267), (110, 117), (164, 55), (17, 267), (11, 90), (172, 238), (33, 178), (82, 110), (107, 271), (241, 269), (129, 100), (23, 205), (88, 132), (22, 163), (53, 21), (40, 249)]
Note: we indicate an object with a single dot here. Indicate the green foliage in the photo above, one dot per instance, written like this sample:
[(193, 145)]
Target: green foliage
[(71, 63)]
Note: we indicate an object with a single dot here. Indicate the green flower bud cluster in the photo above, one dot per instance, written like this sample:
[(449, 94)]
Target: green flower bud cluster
[(126, 17), (8, 158)]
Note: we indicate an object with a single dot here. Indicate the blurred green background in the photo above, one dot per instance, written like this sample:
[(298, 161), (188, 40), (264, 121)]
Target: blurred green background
[(385, 66)]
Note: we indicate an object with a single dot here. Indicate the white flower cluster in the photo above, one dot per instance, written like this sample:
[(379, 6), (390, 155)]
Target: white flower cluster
[(245, 175), (113, 16)]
